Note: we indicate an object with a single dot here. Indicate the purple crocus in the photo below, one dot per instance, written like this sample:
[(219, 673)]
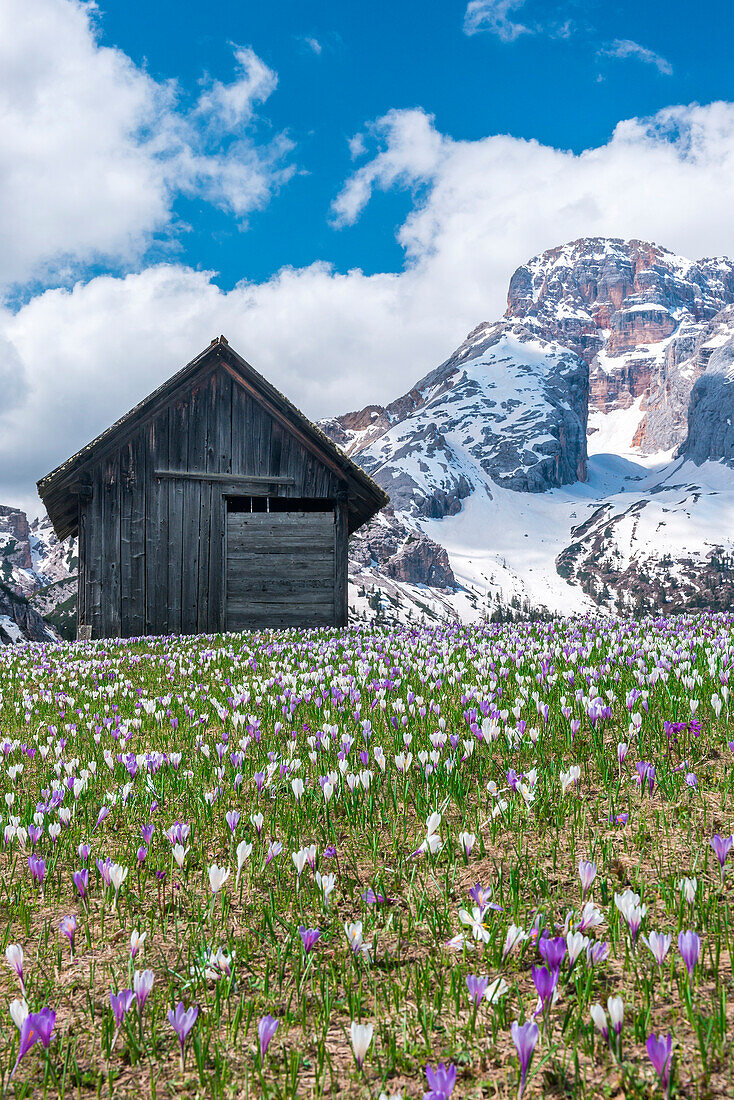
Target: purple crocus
[(37, 1027), (553, 951), (689, 946), (121, 1004), (721, 845), (233, 819), (37, 867), (477, 987), (67, 927), (525, 1037), (146, 831), (81, 881), (545, 983), (266, 1029), (182, 1020), (441, 1081), (309, 936), (660, 1051), (84, 851)]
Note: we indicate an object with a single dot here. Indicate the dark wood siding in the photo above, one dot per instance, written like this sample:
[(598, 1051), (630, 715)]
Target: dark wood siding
[(280, 569), (153, 549)]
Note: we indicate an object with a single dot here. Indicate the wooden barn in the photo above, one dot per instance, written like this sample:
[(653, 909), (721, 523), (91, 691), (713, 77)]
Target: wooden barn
[(213, 505)]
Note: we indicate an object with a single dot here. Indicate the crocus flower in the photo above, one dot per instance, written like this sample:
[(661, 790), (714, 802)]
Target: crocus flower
[(244, 851), (467, 842), (18, 1012), (441, 1081), (587, 874), (14, 956), (629, 906), (659, 1051), (37, 1027), (615, 1008), (361, 1036), (576, 942), (121, 1004), (477, 987), (142, 986), (687, 887), (217, 877), (136, 942), (233, 819), (658, 944), (553, 950), (525, 1037), (81, 881), (182, 1020), (545, 983), (67, 927), (721, 845), (689, 946), (266, 1029), (309, 936), (597, 952), (356, 940), (599, 1017), (37, 867), (513, 938)]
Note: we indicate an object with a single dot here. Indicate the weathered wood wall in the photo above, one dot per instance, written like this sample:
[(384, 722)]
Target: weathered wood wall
[(152, 552)]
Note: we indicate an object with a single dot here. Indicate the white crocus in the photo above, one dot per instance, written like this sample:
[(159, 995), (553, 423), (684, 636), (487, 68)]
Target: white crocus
[(18, 1012), (179, 854), (474, 919), (243, 852), (298, 788), (361, 1035), (576, 942), (217, 877)]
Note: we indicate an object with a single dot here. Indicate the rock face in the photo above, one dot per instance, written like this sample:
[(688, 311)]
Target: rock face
[(37, 578), (710, 434), (623, 306)]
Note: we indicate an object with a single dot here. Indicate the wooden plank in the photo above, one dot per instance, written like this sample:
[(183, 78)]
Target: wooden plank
[(196, 429), (177, 452), (137, 530), (110, 595), (341, 565), (220, 436), (241, 586), (126, 508), (157, 549), (282, 519), (81, 582), (94, 554), (240, 481)]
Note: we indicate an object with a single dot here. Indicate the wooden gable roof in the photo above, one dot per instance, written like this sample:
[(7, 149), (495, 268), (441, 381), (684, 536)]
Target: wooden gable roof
[(59, 489)]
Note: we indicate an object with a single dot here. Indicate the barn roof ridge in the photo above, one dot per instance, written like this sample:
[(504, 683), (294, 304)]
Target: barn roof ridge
[(59, 482)]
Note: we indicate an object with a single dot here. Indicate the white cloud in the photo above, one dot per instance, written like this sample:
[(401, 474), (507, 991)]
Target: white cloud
[(625, 49), (93, 151), (494, 16), (333, 341), (314, 45)]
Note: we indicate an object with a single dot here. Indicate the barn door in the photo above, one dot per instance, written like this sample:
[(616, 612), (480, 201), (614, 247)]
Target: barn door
[(280, 569)]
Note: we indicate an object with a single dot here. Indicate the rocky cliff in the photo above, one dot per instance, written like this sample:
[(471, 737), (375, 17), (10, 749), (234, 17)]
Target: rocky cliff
[(622, 342), (37, 579)]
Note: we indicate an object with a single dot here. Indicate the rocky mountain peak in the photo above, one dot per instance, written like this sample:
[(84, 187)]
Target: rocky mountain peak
[(606, 294)]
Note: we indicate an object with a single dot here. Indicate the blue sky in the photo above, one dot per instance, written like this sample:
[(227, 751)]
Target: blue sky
[(341, 65), (343, 190)]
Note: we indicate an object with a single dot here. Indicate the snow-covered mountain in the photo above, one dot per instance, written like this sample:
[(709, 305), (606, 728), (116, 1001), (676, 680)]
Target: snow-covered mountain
[(37, 579), (575, 453)]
